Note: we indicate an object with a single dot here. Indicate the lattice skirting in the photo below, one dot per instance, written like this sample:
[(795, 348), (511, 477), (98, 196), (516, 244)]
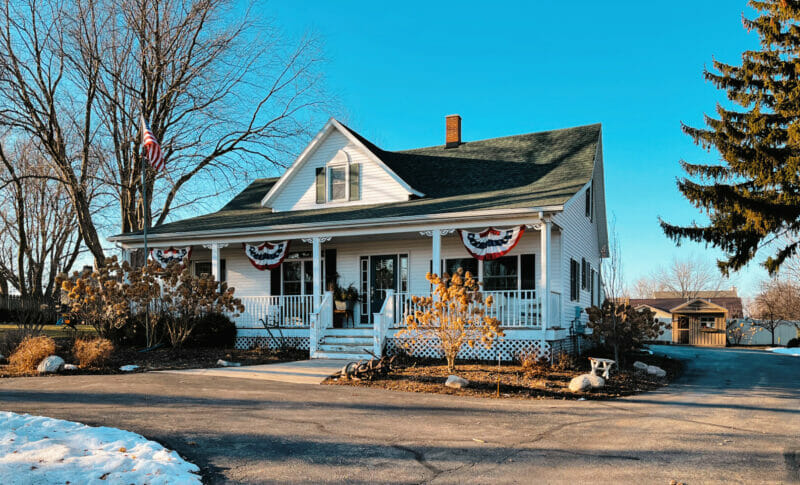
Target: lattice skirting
[(509, 349), (300, 343)]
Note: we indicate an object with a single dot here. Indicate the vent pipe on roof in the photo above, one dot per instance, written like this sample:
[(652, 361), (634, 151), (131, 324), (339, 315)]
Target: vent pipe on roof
[(452, 131)]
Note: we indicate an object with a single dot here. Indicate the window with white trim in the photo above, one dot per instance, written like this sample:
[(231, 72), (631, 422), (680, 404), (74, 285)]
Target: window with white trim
[(338, 182)]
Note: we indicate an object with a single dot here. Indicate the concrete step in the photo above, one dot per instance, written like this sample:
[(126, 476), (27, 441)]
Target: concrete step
[(335, 339), (349, 332), (346, 348), (353, 357)]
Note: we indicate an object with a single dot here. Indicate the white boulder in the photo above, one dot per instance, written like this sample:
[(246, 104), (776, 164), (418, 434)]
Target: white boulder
[(225, 363), (50, 364), (581, 383), (69, 367), (456, 382), (596, 381), (640, 366), (656, 371), (128, 368)]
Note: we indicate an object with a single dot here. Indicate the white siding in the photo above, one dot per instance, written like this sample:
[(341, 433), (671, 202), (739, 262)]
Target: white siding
[(578, 240), (377, 185)]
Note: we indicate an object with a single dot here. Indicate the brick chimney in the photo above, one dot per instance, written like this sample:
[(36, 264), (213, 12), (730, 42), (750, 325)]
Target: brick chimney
[(452, 131)]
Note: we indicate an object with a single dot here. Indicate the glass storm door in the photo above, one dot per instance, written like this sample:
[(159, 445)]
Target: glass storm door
[(383, 276)]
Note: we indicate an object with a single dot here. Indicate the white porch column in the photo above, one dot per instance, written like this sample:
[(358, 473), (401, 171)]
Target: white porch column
[(544, 275), (436, 251), (216, 259), (316, 250)]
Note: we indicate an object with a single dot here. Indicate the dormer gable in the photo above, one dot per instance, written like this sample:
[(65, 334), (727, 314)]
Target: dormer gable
[(336, 169)]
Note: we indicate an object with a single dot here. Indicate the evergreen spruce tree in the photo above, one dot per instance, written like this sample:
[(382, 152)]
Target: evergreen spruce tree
[(753, 197)]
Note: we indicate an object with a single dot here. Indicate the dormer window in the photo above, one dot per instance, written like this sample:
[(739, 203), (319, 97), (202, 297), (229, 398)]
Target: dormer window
[(338, 182), (337, 189)]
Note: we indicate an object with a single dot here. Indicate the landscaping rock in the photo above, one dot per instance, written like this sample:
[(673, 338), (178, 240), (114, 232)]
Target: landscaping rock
[(581, 383), (456, 382), (50, 364), (640, 366), (656, 371), (69, 367), (225, 363), (128, 368), (596, 381)]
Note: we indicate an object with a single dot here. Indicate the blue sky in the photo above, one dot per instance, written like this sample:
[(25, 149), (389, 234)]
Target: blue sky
[(507, 68)]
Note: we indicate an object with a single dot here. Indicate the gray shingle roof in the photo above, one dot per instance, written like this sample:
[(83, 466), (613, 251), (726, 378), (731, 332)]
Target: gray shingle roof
[(522, 171)]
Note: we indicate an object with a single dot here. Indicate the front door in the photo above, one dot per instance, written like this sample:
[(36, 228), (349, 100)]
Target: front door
[(683, 330), (383, 276)]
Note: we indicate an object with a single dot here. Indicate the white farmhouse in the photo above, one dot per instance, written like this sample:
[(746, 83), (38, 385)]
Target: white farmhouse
[(347, 212)]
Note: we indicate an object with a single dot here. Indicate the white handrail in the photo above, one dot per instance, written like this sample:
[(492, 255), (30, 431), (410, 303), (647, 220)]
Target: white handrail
[(382, 320), (321, 320)]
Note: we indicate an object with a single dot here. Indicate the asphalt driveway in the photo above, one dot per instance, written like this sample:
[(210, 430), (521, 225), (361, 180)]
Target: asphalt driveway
[(733, 417)]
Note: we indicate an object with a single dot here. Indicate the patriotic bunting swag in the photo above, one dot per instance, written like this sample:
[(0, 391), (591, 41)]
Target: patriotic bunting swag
[(491, 243), (266, 256), (165, 256)]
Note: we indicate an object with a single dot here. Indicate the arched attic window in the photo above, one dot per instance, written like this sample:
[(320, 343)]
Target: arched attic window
[(339, 180)]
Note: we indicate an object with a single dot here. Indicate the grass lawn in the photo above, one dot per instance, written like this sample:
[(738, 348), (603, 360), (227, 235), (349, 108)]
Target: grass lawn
[(54, 331)]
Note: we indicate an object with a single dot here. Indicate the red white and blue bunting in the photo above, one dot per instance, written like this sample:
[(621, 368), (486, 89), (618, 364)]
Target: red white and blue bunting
[(491, 243), (165, 256), (266, 256)]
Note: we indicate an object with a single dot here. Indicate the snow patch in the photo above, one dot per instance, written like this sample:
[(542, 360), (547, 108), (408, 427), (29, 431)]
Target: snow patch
[(783, 350), (36, 449)]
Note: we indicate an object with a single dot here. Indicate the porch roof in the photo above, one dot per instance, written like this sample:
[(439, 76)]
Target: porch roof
[(535, 170)]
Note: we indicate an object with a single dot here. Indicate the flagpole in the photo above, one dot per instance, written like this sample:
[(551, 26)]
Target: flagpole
[(144, 236)]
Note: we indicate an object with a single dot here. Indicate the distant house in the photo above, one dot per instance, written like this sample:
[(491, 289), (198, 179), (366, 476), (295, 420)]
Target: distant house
[(700, 320), (525, 214)]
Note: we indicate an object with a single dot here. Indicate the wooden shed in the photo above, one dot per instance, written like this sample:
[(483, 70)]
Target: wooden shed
[(699, 322)]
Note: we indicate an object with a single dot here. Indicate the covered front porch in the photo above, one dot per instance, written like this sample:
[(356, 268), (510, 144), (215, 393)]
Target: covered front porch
[(387, 268)]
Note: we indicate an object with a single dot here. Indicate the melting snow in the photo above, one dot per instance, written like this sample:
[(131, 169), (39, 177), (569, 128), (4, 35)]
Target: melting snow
[(39, 450), (783, 350)]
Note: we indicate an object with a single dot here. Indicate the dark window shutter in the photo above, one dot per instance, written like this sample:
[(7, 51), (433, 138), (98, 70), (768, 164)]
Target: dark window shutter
[(275, 281), (330, 268), (223, 271), (589, 201), (320, 185), (355, 181), (528, 271), (573, 280), (584, 274)]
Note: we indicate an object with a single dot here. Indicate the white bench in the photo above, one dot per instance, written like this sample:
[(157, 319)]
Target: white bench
[(603, 365)]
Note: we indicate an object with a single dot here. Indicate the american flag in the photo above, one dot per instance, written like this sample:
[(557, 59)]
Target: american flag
[(149, 142)]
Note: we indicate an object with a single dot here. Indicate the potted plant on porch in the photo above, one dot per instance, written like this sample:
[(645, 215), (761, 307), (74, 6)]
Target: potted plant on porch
[(345, 298)]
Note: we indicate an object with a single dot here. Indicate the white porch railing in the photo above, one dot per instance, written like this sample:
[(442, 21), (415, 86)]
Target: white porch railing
[(285, 311), (514, 308), (382, 319), (321, 320)]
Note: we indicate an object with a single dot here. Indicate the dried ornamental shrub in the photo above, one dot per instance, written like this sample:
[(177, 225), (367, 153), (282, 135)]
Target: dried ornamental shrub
[(94, 352), (453, 316), (31, 351), (99, 298), (532, 363), (622, 327), (187, 298)]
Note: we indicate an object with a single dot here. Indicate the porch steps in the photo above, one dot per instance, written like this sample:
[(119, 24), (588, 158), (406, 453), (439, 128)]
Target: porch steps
[(346, 343)]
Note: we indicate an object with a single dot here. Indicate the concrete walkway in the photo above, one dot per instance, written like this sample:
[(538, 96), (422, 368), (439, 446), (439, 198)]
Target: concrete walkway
[(300, 372)]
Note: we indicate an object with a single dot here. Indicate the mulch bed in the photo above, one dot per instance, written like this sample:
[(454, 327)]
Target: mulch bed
[(165, 358), (543, 383)]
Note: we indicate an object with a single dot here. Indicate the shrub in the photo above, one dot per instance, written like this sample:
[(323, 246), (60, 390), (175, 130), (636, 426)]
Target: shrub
[(11, 340), (622, 327), (455, 316), (92, 353), (795, 342), (531, 362), (31, 351), (213, 330), (564, 361)]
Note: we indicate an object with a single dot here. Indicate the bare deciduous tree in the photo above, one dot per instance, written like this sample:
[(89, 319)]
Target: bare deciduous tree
[(685, 278), (38, 235), (777, 303), (221, 91)]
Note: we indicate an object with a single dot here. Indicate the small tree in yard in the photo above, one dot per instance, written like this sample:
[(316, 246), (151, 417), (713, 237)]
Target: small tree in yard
[(737, 332), (143, 289), (622, 327), (455, 315), (777, 302), (187, 298)]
